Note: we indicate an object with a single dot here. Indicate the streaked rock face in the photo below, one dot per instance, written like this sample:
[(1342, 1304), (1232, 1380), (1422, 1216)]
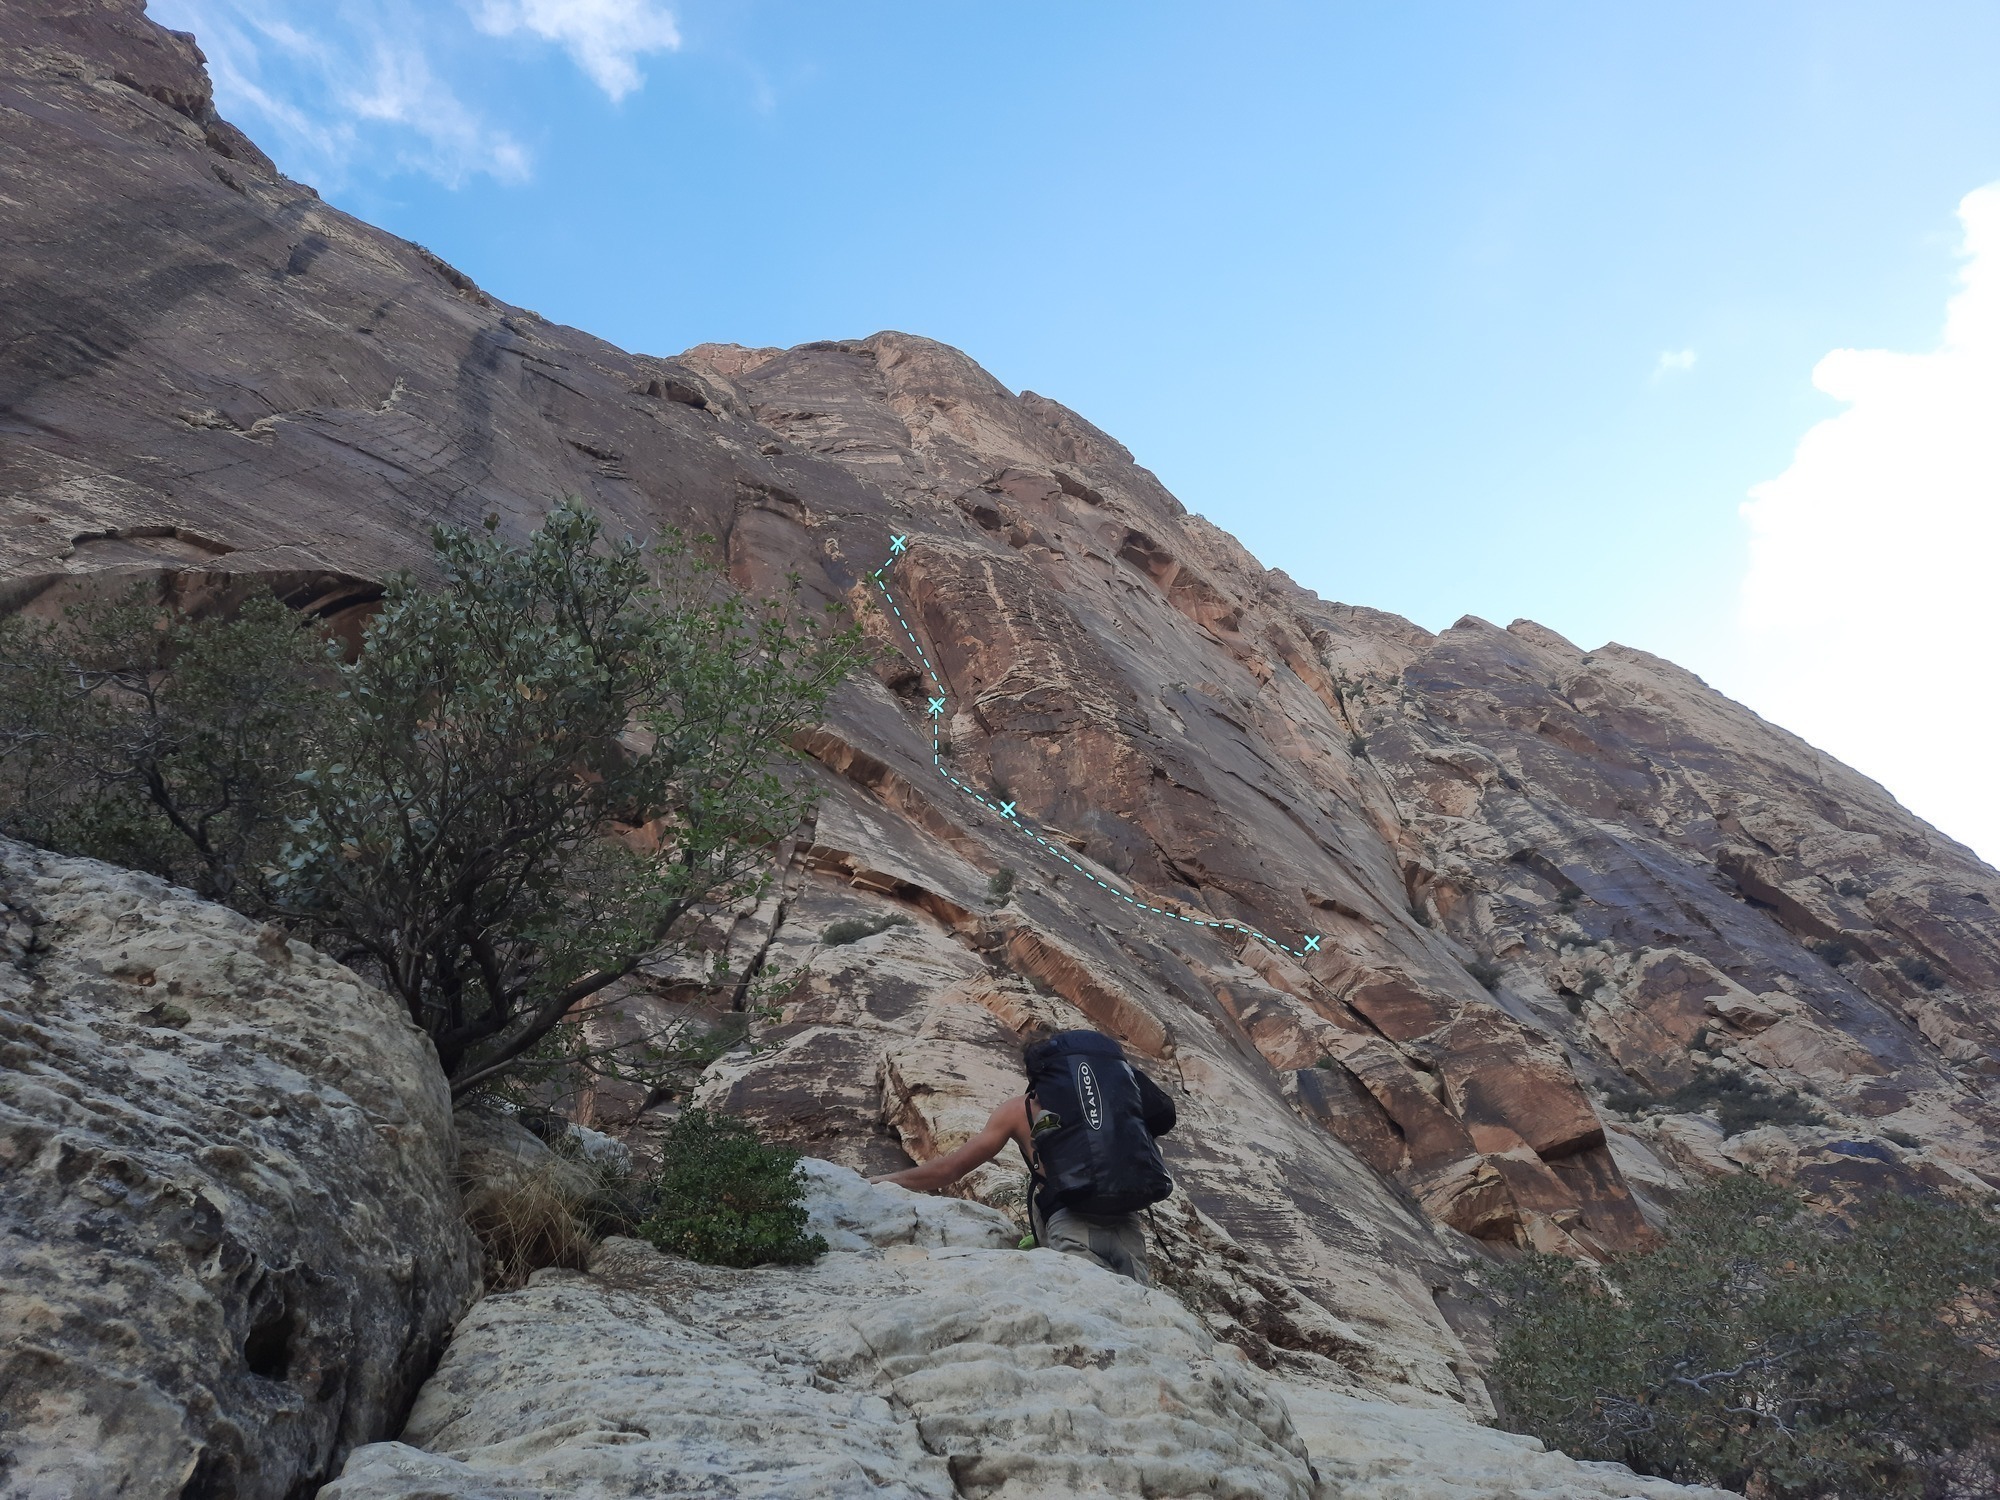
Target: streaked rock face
[(230, 1245), (224, 384)]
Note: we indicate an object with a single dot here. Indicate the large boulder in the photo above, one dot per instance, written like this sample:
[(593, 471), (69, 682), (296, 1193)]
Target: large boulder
[(230, 1243)]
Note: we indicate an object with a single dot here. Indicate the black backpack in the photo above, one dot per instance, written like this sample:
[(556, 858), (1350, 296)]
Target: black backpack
[(1094, 1117)]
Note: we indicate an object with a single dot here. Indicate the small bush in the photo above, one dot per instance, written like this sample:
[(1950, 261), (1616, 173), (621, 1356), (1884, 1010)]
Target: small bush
[(1001, 886), (1590, 984), (1357, 746), (1849, 886), (1741, 1104), (1904, 1139), (1919, 972), (1833, 951), (854, 929), (1738, 1103), (726, 1198), (1487, 974), (1573, 1004), (1767, 1349)]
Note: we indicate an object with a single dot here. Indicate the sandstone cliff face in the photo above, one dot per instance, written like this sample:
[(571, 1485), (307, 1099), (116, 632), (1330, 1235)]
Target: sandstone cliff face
[(230, 1245), (216, 381)]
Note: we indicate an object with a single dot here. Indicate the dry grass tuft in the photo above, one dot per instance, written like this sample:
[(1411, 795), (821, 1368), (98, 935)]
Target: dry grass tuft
[(531, 1223)]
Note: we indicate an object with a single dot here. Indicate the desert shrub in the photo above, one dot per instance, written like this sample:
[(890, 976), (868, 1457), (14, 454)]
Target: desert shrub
[(1590, 984), (132, 734), (854, 929), (1573, 1004), (1357, 746), (1832, 950), (528, 779), (1849, 886), (1630, 1101), (1764, 1346), (458, 821), (1904, 1139), (1738, 1103), (1000, 885), (725, 1197), (1919, 971), (1487, 974)]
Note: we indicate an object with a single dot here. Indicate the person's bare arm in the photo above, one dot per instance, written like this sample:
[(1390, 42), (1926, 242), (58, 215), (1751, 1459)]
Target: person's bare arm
[(1007, 1123)]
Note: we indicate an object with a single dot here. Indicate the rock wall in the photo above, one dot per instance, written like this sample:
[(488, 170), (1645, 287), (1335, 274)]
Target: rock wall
[(1540, 879), (230, 1245)]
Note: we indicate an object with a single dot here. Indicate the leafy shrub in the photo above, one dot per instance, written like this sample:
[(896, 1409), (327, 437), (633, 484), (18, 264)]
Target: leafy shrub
[(166, 744), (1904, 1139), (1919, 971), (441, 811), (1590, 984), (726, 1198), (1357, 746), (1001, 885), (854, 929), (1630, 1101), (1764, 1347), (1849, 886), (1573, 1004), (1832, 950), (1487, 974), (1738, 1103)]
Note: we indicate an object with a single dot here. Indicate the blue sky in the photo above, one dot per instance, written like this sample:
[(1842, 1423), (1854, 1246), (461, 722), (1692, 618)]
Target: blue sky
[(1495, 308)]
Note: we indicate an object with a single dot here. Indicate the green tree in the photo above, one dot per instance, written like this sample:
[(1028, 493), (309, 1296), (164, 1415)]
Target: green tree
[(1764, 1343), (139, 736), (529, 779), (540, 771), (725, 1197)]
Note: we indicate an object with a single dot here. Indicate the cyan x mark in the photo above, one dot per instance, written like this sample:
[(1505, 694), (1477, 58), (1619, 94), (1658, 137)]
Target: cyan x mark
[(1312, 945), (937, 707), (1006, 809), (899, 544)]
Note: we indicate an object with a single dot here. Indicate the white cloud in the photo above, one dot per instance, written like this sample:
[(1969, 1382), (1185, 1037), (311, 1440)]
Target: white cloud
[(333, 85), (605, 38), (401, 88), (1872, 601), (1673, 361), (327, 85)]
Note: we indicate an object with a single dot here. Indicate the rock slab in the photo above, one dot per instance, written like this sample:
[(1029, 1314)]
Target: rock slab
[(230, 1244), (918, 1362)]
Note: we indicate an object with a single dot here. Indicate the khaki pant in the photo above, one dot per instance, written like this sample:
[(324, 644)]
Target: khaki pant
[(1116, 1242)]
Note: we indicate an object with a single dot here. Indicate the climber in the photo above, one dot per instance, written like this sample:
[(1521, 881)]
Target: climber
[(1086, 1128)]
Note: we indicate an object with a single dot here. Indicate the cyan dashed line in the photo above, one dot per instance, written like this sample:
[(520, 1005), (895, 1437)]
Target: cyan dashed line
[(936, 700)]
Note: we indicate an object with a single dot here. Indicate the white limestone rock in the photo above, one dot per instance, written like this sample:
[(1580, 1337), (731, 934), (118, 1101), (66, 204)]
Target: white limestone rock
[(230, 1243), (916, 1362), (1368, 1449), (853, 1214), (918, 1365)]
